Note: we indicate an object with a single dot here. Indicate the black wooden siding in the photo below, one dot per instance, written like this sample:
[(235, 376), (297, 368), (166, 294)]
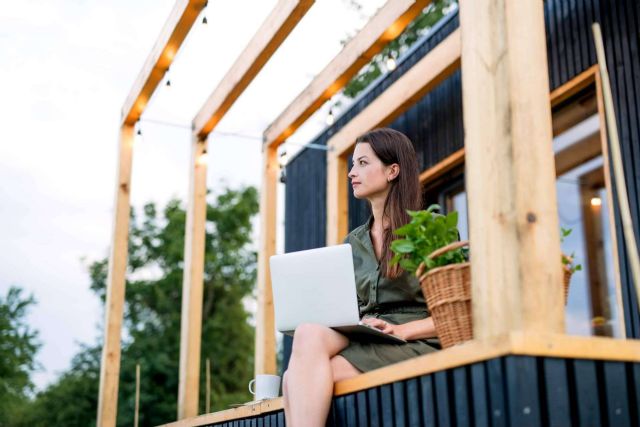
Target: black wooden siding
[(507, 391), (434, 124)]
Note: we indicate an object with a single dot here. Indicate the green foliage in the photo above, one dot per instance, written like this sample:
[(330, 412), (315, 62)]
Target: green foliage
[(152, 319), (18, 347), (427, 19), (568, 260), (425, 233)]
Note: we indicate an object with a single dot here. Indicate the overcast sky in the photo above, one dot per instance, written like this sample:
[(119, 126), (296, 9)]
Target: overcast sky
[(66, 68)]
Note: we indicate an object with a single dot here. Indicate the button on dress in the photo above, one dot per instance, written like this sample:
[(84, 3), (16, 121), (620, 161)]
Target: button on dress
[(396, 301)]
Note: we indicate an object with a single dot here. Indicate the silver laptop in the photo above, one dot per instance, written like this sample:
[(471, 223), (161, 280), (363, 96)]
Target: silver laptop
[(318, 286)]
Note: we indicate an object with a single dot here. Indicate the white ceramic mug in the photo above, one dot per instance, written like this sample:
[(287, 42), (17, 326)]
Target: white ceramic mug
[(266, 386)]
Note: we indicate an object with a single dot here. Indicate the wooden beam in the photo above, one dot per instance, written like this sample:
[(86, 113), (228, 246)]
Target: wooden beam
[(420, 79), (265, 356), (514, 235), (435, 67), (273, 31), (192, 284), (385, 26), (175, 30), (114, 308), (442, 167)]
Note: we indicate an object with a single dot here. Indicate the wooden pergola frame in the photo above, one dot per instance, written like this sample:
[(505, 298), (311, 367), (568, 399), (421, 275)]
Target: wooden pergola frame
[(516, 288)]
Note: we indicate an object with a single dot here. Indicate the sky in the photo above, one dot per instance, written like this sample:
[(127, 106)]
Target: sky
[(65, 70)]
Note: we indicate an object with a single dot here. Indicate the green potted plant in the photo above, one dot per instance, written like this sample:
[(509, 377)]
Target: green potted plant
[(429, 248), (568, 263)]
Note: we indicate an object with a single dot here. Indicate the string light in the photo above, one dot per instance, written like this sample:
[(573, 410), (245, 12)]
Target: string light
[(204, 18), (391, 63), (202, 158), (596, 201), (330, 118)]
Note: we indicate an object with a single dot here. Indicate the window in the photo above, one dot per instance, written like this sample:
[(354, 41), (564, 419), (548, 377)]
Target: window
[(593, 306)]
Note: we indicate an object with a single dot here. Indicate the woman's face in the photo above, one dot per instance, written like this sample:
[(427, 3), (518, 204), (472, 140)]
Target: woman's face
[(369, 176)]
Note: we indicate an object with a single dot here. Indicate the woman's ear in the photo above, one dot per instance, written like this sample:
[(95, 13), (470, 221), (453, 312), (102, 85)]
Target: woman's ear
[(393, 171)]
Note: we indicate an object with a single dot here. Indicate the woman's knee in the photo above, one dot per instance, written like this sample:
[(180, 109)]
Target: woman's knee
[(313, 338)]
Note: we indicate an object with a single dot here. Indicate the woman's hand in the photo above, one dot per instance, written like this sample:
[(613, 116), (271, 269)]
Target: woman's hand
[(386, 327), (414, 330)]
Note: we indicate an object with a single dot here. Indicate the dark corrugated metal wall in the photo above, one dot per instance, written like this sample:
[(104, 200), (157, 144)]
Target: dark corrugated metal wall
[(435, 122)]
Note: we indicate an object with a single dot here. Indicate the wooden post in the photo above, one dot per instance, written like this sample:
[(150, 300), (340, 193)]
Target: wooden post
[(265, 359), (513, 218), (110, 365), (337, 198), (137, 409), (207, 404), (191, 317)]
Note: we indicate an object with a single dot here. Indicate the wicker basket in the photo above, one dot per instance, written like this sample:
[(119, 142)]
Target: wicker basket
[(566, 280), (448, 293)]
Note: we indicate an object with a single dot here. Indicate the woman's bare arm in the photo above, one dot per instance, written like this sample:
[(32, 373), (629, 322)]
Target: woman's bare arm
[(415, 330)]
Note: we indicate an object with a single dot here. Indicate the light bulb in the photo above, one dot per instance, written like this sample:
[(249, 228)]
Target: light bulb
[(596, 201), (391, 63), (330, 118)]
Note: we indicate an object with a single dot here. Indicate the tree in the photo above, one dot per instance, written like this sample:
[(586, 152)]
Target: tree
[(152, 318), (419, 26), (18, 347)]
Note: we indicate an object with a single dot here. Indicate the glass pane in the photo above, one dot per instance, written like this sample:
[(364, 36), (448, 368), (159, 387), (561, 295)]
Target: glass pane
[(459, 203)]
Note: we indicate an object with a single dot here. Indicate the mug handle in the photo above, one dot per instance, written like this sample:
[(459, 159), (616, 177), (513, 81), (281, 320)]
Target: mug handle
[(252, 382)]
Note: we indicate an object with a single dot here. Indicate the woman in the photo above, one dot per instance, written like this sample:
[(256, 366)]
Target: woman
[(385, 173)]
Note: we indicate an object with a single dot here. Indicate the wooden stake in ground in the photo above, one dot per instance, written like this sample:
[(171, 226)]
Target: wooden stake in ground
[(135, 415), (616, 160), (207, 403)]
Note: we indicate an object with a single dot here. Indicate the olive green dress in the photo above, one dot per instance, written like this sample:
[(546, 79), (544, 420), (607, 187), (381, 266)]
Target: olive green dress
[(395, 301)]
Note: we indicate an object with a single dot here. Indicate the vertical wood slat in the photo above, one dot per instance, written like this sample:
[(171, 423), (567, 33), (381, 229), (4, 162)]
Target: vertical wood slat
[(522, 389), (399, 404), (192, 284), (557, 392), (442, 397), (514, 228), (616, 394), (116, 279), (586, 391), (363, 409), (386, 405), (461, 397), (375, 415), (479, 395), (427, 402), (497, 393), (414, 415), (265, 351)]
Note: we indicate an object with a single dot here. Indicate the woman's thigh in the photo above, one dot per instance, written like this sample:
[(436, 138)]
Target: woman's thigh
[(317, 338)]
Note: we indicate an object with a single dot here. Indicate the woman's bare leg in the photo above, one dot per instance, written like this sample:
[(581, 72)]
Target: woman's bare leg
[(342, 369), (309, 382)]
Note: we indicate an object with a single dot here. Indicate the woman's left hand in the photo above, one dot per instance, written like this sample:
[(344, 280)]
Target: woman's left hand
[(386, 327)]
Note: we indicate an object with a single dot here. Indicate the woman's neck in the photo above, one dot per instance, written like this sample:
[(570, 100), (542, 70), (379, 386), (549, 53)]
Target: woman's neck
[(377, 209)]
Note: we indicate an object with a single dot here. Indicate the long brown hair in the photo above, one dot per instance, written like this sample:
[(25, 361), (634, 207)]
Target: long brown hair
[(392, 147)]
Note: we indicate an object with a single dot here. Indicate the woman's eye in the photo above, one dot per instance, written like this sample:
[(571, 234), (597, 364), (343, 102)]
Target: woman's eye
[(362, 163)]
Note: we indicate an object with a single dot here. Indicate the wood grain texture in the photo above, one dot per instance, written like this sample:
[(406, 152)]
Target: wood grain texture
[(192, 283), (273, 31), (265, 356), (116, 279), (510, 172), (385, 26), (171, 37)]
